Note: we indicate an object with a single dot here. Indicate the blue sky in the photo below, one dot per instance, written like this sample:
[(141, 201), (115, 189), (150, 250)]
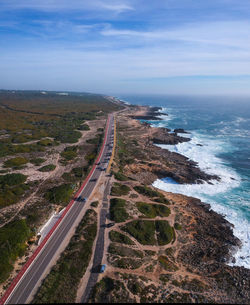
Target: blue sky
[(126, 46)]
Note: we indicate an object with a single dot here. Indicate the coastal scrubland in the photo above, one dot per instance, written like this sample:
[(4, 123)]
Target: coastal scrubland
[(164, 247), (48, 143)]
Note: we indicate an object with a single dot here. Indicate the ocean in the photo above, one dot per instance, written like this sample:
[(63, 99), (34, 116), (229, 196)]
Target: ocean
[(220, 142)]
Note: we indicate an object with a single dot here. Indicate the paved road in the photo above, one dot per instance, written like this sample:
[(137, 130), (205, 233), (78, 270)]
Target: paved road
[(99, 247), (26, 284)]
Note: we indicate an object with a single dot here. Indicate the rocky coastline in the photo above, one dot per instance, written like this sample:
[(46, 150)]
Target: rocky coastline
[(206, 243)]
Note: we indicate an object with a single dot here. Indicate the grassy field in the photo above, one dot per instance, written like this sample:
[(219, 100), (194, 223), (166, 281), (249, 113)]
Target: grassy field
[(117, 210)]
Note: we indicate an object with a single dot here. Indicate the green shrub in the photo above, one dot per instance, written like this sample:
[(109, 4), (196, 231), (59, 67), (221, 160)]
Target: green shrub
[(45, 142), (83, 127), (13, 237), (79, 172), (120, 238), (47, 168), (15, 162), (119, 189), (37, 161), (60, 194), (162, 200), (94, 204), (69, 155), (165, 232), (142, 230), (120, 176), (147, 191), (153, 210), (12, 179), (117, 210)]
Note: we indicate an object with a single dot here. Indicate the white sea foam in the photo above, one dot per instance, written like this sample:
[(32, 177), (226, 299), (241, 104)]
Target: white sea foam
[(204, 150)]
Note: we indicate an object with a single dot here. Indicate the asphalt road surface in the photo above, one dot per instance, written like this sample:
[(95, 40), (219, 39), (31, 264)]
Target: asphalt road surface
[(28, 281), (98, 249)]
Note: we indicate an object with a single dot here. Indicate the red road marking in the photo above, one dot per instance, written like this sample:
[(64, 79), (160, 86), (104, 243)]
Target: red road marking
[(39, 248)]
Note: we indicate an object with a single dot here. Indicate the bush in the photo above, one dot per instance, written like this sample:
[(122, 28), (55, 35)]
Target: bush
[(117, 210), (165, 232), (12, 179), (147, 191), (37, 161), (153, 210), (142, 230), (94, 204), (13, 237), (47, 168), (60, 194), (120, 176), (83, 127), (15, 162), (69, 155), (79, 172), (45, 142), (119, 189), (120, 238)]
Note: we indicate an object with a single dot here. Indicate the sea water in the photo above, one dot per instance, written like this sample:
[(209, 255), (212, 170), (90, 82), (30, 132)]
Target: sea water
[(219, 132)]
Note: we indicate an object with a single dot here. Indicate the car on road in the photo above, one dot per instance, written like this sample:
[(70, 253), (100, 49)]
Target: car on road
[(84, 199), (93, 179), (111, 224), (102, 268)]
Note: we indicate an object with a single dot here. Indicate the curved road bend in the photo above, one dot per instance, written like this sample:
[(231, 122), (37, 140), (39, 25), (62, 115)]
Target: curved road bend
[(30, 279)]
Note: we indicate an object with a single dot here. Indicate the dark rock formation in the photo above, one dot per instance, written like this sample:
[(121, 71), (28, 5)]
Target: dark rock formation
[(180, 130), (162, 136)]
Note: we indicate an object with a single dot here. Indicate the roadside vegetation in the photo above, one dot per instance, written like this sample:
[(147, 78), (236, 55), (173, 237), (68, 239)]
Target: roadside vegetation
[(13, 237), (60, 194), (117, 210), (60, 286)]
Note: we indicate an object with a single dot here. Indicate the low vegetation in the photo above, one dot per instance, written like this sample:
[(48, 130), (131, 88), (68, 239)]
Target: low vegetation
[(60, 194), (60, 286), (47, 168), (147, 191), (119, 189), (15, 162), (117, 210), (69, 153), (153, 210), (124, 251), (12, 187), (142, 230), (13, 237), (165, 233), (120, 176), (37, 161), (120, 238)]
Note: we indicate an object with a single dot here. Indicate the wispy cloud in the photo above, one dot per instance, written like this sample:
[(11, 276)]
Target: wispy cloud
[(58, 5)]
